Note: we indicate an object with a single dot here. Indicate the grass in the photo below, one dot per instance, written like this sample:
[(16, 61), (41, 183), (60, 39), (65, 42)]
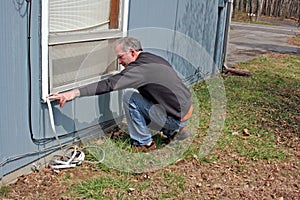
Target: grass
[(4, 191), (174, 181), (98, 188), (119, 184), (266, 104), (259, 109)]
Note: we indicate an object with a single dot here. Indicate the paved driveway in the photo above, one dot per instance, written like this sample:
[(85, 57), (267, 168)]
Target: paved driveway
[(248, 40)]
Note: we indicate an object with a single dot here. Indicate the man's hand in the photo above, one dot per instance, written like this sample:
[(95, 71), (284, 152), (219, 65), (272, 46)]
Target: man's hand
[(65, 96)]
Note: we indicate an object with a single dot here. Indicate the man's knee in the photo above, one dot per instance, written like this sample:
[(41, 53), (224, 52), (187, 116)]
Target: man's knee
[(128, 95), (132, 99)]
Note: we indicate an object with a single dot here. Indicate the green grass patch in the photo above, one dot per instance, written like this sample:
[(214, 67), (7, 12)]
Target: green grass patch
[(103, 187), (173, 184), (118, 185), (266, 104), (4, 191), (259, 109)]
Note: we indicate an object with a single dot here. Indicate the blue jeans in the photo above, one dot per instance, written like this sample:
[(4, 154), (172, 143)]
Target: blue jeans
[(142, 115)]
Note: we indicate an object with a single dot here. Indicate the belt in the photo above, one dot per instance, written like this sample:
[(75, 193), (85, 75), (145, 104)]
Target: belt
[(188, 114)]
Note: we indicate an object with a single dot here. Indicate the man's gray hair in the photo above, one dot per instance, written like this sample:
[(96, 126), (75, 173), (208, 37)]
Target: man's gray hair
[(129, 42)]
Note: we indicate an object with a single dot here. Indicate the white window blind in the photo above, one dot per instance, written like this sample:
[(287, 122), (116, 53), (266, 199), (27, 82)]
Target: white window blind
[(81, 35), (75, 15)]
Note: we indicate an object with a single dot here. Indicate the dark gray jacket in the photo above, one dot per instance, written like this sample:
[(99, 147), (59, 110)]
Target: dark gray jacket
[(154, 78)]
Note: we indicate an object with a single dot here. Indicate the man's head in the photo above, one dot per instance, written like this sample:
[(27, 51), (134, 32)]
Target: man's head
[(127, 50)]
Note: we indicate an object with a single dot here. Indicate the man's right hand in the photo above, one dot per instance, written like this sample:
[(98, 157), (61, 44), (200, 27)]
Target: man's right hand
[(62, 98)]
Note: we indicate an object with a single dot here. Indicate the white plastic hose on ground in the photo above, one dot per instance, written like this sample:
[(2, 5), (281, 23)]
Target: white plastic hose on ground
[(72, 156)]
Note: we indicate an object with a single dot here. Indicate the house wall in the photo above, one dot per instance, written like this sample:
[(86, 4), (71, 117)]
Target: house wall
[(188, 33), (25, 128), (14, 131)]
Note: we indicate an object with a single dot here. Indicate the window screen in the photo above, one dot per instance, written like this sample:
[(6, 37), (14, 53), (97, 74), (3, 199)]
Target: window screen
[(80, 63)]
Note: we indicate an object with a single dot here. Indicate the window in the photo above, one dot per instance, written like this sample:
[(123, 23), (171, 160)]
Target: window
[(76, 41)]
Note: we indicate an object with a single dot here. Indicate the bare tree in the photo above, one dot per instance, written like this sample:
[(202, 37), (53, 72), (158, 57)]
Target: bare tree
[(276, 8), (258, 9)]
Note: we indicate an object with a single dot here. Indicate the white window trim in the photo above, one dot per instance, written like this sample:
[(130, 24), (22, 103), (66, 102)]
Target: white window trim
[(45, 42)]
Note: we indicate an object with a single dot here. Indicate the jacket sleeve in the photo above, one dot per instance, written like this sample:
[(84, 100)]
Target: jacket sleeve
[(128, 78)]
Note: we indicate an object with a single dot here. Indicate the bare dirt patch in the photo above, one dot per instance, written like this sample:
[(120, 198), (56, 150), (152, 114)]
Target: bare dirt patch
[(295, 40), (237, 179)]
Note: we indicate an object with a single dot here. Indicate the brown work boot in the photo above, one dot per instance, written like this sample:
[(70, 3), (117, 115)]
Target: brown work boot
[(144, 148), (182, 134)]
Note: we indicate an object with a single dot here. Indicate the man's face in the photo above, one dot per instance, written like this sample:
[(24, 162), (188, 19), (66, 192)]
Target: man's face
[(124, 58)]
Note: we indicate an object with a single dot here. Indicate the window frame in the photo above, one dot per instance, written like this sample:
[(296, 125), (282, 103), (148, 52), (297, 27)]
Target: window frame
[(47, 41)]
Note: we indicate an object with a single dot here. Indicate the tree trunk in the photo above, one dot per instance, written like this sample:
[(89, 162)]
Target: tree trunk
[(238, 2), (241, 5), (266, 8), (272, 7), (234, 8), (277, 8), (258, 10), (250, 6)]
